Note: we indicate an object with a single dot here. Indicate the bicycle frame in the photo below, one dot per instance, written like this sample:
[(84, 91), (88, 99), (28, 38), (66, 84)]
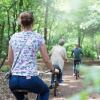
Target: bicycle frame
[(55, 77), (37, 95), (26, 95), (56, 84)]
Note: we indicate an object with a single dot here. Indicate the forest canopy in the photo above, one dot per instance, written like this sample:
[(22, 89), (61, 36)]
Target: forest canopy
[(77, 21)]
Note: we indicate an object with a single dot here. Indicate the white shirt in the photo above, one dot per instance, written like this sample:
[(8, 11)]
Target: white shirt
[(58, 53)]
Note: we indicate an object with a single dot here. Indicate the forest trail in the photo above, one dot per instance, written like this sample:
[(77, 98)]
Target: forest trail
[(68, 88), (71, 86)]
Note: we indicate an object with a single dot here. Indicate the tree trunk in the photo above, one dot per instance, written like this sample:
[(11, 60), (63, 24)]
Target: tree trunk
[(1, 37), (79, 37), (46, 22), (20, 10), (8, 19)]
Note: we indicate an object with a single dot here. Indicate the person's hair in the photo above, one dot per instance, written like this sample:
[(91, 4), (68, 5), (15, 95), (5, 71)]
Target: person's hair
[(26, 19), (77, 45), (61, 42)]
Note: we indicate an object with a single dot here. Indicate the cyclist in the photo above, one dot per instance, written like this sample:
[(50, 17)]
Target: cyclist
[(24, 72), (58, 57), (76, 53)]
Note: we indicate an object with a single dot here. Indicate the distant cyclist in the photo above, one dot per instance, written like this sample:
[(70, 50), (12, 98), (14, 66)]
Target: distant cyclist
[(76, 54), (58, 57)]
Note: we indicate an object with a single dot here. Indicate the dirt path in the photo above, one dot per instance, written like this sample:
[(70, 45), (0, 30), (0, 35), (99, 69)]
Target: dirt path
[(71, 86)]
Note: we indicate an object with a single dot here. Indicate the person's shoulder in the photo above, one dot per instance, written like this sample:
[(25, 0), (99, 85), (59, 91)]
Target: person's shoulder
[(38, 35), (62, 47), (80, 48), (55, 47), (13, 37), (15, 34), (73, 49)]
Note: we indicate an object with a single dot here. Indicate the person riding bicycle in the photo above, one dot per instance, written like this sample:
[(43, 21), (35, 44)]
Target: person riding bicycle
[(24, 72), (76, 54), (58, 57)]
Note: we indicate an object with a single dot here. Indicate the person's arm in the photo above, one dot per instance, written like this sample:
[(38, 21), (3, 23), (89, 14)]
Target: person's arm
[(65, 56), (72, 53), (10, 56), (45, 56)]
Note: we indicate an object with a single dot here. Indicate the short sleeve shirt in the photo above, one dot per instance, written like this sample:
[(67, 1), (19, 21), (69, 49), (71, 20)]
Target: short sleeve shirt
[(77, 53), (58, 53), (29, 44)]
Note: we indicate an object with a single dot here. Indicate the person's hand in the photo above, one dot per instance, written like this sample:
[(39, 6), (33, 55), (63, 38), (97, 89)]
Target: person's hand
[(65, 61), (55, 70)]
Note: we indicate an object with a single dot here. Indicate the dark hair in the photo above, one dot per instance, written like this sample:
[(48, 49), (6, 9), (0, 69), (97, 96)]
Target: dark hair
[(26, 19), (61, 42)]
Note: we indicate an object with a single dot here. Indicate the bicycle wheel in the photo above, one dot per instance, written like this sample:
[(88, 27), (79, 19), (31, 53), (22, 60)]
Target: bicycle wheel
[(55, 88), (77, 71), (55, 85), (76, 74)]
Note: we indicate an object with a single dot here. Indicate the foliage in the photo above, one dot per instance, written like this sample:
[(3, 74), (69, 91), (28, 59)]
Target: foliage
[(4, 69), (75, 21), (89, 52), (87, 49), (38, 55), (69, 48), (91, 82)]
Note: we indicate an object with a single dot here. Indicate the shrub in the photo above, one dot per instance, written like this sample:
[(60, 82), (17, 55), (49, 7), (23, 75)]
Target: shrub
[(4, 69), (69, 48), (91, 82), (89, 52)]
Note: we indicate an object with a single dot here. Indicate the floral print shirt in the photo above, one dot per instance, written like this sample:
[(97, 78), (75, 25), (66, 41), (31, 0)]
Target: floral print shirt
[(29, 43)]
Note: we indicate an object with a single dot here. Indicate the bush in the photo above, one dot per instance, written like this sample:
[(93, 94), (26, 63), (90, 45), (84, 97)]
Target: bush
[(89, 52), (4, 69), (91, 82), (69, 48)]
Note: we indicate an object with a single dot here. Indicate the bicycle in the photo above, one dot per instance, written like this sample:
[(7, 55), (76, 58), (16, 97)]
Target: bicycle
[(77, 70), (56, 81), (56, 84), (26, 94), (41, 73)]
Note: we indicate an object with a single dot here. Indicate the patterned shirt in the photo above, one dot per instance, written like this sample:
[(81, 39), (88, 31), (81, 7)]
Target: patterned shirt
[(29, 43)]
